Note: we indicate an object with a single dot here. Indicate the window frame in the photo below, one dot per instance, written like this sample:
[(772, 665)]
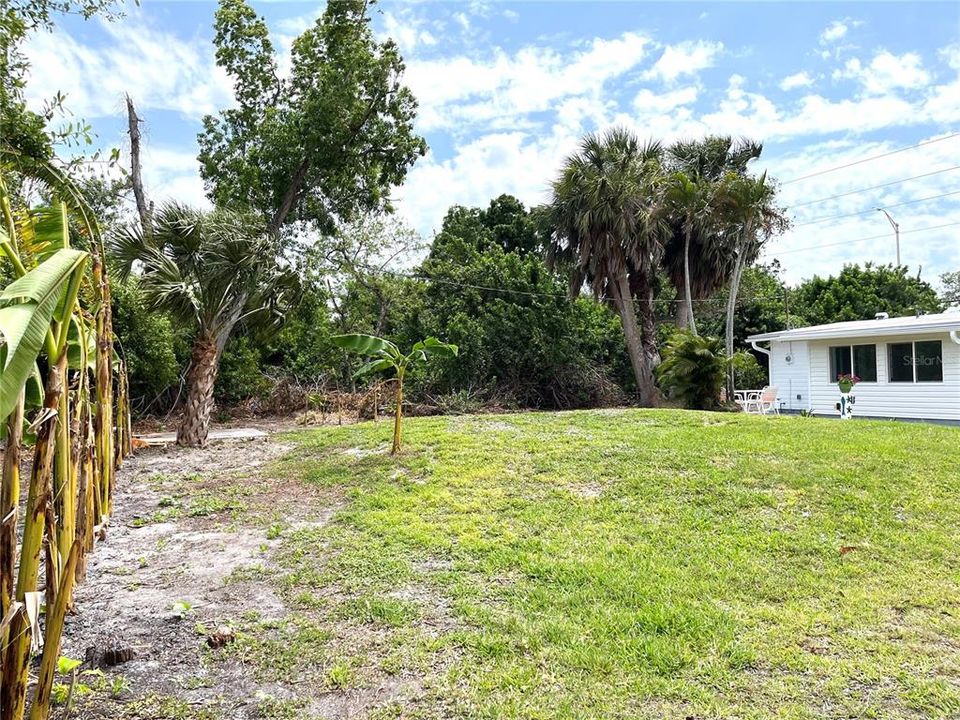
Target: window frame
[(913, 362), (853, 367)]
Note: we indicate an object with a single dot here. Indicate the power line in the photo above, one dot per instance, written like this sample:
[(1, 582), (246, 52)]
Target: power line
[(868, 159), (527, 293), (864, 212), (863, 239), (876, 187)]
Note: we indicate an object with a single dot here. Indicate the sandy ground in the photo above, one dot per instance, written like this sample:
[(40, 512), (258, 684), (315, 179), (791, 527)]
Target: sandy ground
[(158, 579)]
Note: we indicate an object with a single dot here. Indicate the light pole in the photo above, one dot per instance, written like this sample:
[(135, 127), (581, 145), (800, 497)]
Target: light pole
[(896, 231)]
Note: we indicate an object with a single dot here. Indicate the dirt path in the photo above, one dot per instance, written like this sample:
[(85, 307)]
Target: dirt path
[(186, 553)]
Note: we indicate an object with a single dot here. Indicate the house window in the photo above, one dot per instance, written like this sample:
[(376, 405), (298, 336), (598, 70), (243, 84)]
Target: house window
[(859, 360), (916, 361)]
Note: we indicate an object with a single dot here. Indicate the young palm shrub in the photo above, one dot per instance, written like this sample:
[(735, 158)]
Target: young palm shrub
[(693, 370), (387, 356), (210, 271)]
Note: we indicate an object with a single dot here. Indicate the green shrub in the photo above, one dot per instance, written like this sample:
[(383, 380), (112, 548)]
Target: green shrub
[(748, 374), (692, 371), (240, 377), (154, 353)]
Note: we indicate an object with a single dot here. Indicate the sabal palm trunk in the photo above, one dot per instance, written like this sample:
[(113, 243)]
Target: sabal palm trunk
[(731, 309), (195, 426), (690, 322), (642, 370)]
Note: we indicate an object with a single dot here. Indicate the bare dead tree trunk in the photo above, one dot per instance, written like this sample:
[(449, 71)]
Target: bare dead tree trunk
[(204, 362), (136, 178)]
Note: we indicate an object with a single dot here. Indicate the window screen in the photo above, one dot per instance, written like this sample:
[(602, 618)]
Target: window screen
[(901, 362), (929, 361), (865, 362)]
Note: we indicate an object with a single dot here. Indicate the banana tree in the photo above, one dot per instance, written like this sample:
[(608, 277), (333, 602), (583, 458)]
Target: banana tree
[(387, 356), (36, 313), (52, 309)]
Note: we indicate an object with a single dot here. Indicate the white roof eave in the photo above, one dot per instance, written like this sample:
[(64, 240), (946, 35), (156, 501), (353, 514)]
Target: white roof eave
[(865, 328)]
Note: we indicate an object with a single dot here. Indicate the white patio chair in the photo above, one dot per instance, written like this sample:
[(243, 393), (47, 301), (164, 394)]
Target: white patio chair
[(763, 402)]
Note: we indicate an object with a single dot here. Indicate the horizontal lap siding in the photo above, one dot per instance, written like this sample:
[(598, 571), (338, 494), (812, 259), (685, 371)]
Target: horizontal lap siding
[(790, 379), (928, 401)]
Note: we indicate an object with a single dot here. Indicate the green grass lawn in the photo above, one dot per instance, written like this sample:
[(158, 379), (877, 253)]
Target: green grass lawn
[(646, 564)]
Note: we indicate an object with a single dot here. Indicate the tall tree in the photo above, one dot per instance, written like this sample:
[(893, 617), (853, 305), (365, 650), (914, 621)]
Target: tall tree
[(701, 256), (322, 144), (210, 271), (688, 200), (858, 293), (951, 288), (603, 211), (749, 208)]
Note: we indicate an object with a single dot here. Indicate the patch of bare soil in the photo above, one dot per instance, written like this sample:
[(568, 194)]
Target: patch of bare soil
[(159, 584), (194, 608)]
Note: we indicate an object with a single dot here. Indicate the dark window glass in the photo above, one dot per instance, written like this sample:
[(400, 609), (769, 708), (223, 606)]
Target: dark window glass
[(865, 362), (839, 362), (901, 362), (929, 360)]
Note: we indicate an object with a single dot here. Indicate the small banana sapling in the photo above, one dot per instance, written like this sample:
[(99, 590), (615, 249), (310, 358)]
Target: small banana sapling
[(385, 355)]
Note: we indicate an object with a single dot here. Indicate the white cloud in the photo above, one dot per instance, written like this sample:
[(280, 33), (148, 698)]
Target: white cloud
[(159, 70), (460, 90), (815, 216), (648, 102), (835, 31), (686, 58), (800, 79), (886, 72), (407, 30)]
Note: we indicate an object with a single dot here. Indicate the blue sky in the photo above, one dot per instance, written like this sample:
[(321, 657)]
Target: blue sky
[(506, 90)]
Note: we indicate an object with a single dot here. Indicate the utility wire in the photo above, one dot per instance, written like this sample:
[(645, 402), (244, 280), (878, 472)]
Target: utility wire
[(864, 212), (528, 293), (864, 239), (875, 187), (873, 157)]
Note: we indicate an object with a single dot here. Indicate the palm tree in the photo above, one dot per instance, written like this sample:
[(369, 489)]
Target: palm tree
[(701, 257), (748, 205), (210, 271), (688, 200), (603, 213)]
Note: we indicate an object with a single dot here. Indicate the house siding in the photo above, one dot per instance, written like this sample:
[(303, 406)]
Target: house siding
[(792, 380), (922, 400)]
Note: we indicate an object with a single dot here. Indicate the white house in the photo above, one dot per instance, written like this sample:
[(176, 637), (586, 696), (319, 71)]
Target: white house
[(909, 367)]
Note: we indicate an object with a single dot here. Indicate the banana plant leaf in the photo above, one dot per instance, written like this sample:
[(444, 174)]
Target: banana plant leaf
[(367, 345), (28, 307)]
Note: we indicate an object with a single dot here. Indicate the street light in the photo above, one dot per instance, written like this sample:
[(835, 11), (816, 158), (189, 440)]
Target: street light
[(896, 231)]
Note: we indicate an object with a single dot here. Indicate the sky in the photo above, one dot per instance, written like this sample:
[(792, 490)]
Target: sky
[(506, 91)]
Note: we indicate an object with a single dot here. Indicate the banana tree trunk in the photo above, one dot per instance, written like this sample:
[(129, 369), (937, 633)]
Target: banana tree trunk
[(103, 420), (398, 416), (9, 502), (56, 614), (204, 362), (16, 659)]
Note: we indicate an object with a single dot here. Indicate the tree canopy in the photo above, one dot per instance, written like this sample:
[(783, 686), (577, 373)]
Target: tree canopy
[(324, 143), (858, 293)]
